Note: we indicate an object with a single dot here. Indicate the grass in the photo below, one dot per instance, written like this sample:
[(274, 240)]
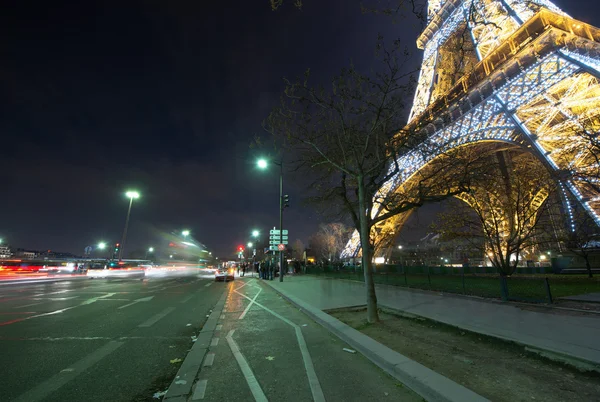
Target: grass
[(529, 287)]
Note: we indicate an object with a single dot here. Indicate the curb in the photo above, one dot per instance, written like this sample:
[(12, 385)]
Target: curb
[(425, 382), (579, 363), (193, 361)]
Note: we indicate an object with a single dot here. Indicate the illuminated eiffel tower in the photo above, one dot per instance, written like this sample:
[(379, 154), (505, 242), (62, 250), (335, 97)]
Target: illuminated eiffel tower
[(520, 72)]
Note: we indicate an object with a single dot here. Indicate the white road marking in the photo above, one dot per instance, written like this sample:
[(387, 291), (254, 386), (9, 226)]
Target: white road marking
[(144, 299), (200, 390), (242, 285), (50, 293), (253, 384), (208, 284), (208, 361), (29, 305), (42, 390), (62, 310), (214, 342), (154, 319), (249, 305), (313, 380), (187, 299)]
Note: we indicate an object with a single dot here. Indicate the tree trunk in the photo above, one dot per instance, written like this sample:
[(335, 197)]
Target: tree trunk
[(365, 243), (588, 266)]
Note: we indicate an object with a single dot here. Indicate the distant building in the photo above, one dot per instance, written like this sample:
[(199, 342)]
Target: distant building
[(5, 252), (26, 254)]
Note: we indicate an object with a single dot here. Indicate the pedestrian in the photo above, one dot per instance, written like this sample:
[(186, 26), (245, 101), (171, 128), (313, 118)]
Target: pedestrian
[(244, 270)]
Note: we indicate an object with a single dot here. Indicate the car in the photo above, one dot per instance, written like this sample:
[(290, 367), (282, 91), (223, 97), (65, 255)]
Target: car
[(224, 274)]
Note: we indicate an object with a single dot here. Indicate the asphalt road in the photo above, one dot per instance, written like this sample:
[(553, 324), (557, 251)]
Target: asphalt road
[(99, 339)]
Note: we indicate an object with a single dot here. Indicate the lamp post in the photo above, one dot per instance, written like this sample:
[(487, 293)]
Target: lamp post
[(262, 164), (131, 195), (185, 233), (150, 251)]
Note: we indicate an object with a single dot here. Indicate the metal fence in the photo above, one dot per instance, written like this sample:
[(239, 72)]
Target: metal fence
[(476, 281)]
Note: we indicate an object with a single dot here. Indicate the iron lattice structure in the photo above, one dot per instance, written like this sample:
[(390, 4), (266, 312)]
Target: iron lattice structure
[(511, 71)]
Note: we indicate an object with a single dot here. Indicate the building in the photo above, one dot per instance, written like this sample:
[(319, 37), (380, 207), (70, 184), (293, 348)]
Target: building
[(5, 252)]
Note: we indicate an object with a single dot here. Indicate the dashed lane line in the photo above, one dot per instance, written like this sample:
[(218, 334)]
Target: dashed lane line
[(208, 284), (253, 384), (214, 342), (209, 359), (200, 390), (42, 390), (155, 318)]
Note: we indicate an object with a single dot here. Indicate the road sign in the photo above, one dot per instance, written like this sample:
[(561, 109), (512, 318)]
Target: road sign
[(273, 248), (276, 232), (276, 242), (281, 247), (277, 237)]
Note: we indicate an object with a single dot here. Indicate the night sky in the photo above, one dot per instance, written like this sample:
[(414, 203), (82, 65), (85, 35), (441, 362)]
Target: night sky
[(98, 97)]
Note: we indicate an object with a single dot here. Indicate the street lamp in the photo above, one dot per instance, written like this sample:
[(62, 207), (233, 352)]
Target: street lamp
[(250, 244), (151, 250), (131, 195), (255, 233), (400, 247), (185, 233), (263, 164), (101, 245)]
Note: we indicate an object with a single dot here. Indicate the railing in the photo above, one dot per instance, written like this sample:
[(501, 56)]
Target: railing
[(477, 281)]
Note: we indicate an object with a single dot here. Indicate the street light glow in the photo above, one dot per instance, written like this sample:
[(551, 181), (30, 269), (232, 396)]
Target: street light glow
[(132, 194), (255, 233), (185, 233), (250, 244), (400, 247), (102, 245), (262, 163), (151, 250)]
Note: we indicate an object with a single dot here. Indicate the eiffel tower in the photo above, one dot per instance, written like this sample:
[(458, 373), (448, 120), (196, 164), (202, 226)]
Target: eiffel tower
[(521, 72)]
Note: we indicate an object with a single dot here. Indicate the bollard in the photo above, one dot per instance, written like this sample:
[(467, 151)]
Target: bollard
[(428, 277), (548, 292)]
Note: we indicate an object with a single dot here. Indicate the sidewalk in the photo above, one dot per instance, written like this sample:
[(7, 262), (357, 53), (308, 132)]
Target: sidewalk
[(569, 336)]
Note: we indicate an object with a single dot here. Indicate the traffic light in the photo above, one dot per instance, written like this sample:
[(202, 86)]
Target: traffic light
[(240, 248), (286, 201), (116, 250)]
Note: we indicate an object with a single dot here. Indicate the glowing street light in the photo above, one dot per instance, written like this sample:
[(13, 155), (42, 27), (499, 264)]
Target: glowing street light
[(255, 233), (131, 195), (151, 250), (250, 244), (185, 233), (400, 247), (542, 257), (101, 245), (262, 163)]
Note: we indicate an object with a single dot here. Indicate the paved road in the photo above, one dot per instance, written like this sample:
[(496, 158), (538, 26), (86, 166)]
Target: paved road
[(100, 339), (266, 349)]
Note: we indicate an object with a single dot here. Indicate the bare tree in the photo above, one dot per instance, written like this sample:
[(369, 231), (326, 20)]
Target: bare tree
[(298, 250), (350, 138)]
